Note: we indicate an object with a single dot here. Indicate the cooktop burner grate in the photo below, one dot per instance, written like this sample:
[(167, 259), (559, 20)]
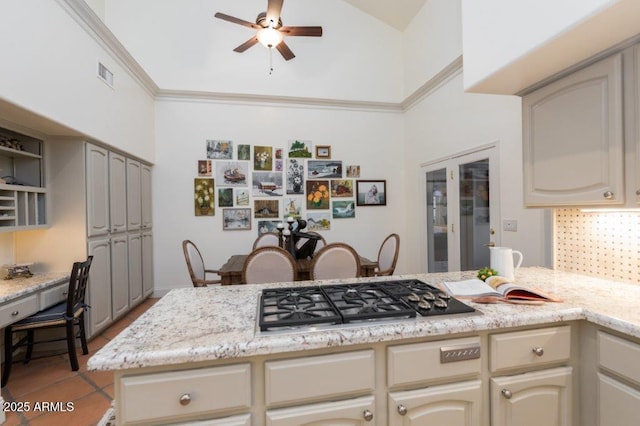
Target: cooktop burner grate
[(352, 303)]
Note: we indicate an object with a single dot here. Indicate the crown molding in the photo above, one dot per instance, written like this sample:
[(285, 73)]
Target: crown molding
[(82, 13)]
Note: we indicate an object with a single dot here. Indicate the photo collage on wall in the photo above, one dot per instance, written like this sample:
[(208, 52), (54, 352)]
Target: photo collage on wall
[(261, 185)]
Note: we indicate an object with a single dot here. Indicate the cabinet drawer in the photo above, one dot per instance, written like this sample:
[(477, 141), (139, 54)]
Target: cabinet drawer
[(619, 356), (529, 348), (15, 311), (319, 377), (52, 296), (338, 413), (422, 362), (157, 396)]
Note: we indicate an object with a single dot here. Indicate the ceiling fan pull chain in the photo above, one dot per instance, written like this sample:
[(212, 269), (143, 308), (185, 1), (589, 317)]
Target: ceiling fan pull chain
[(270, 60)]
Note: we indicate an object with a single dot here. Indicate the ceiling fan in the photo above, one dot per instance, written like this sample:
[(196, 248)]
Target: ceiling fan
[(271, 32)]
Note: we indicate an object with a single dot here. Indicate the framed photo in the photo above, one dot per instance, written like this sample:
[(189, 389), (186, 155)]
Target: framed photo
[(353, 171), (219, 150), (265, 226), (344, 209), (295, 176), (236, 219), (232, 173), (204, 198), (244, 152), (323, 152), (204, 168), (292, 207), (242, 196), (262, 158), (267, 184), (342, 188), (317, 169), (266, 209), (371, 192), (300, 149), (319, 221), (225, 197), (317, 194)]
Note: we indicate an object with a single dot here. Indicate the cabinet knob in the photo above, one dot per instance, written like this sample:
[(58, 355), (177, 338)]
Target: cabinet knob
[(637, 191), (368, 415), (538, 351), (506, 393), (185, 399), (402, 410), (608, 195), (15, 313)]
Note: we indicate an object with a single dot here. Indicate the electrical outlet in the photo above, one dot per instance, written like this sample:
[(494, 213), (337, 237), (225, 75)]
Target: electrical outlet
[(510, 225)]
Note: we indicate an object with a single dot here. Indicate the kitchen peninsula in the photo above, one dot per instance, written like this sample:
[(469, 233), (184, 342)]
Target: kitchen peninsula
[(198, 354)]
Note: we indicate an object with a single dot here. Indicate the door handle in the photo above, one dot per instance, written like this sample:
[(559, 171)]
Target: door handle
[(490, 244)]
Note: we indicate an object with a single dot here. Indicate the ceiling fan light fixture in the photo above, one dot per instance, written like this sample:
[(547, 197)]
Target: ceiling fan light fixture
[(269, 37)]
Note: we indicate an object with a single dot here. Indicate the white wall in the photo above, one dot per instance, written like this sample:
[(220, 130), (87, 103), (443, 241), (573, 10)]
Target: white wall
[(49, 68), (449, 121), (182, 46), (425, 57), (374, 140), (510, 45)]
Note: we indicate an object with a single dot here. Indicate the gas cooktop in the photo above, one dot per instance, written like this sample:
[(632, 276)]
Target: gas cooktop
[(295, 307)]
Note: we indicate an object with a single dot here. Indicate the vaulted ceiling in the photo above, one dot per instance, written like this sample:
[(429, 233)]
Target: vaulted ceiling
[(397, 13)]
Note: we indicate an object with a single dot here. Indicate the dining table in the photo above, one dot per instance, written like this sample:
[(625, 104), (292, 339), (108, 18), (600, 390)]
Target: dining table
[(231, 272)]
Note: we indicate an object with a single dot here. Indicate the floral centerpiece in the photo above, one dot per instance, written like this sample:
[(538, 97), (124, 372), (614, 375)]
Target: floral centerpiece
[(203, 196)]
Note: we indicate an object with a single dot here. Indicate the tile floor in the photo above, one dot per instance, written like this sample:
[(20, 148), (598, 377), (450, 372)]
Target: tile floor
[(50, 379)]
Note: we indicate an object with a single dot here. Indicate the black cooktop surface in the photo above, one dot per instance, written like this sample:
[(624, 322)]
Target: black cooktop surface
[(353, 303)]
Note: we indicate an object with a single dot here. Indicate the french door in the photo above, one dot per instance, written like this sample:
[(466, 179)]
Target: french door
[(462, 210)]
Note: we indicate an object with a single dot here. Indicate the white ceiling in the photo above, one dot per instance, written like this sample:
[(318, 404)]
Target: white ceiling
[(397, 13)]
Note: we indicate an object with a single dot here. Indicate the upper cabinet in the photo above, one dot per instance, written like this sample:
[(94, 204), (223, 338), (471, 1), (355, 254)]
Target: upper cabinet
[(22, 190), (574, 140)]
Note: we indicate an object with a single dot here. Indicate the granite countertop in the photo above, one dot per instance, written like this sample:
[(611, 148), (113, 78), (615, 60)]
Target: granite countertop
[(17, 287), (201, 324)]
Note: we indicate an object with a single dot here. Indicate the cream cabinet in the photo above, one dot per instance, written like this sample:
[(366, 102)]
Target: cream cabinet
[(536, 396), (114, 202), (351, 412), (178, 396), (457, 404), (22, 190), (573, 139), (532, 399), (633, 128), (618, 381), (145, 197)]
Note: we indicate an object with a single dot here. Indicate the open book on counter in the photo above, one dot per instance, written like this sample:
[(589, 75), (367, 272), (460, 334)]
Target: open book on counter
[(495, 286)]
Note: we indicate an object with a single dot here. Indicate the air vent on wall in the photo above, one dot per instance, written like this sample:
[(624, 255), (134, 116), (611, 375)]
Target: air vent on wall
[(105, 75)]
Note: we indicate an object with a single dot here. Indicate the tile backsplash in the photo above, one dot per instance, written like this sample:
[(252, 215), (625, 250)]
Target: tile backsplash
[(603, 244)]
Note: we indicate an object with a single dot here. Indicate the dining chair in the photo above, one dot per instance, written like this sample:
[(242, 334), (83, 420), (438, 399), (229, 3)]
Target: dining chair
[(268, 239), (67, 314), (269, 265), (335, 260), (197, 271), (388, 255)]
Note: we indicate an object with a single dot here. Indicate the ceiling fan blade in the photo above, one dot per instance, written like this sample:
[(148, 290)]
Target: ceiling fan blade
[(274, 8), (237, 20), (247, 44), (302, 31), (284, 50)]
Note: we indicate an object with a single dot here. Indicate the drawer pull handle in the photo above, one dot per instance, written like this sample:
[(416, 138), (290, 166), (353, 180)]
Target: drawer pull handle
[(368, 415), (608, 195), (538, 351), (638, 192), (402, 410), (185, 399), (506, 393), (15, 313)]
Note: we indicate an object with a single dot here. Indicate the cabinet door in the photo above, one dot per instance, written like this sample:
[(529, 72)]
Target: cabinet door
[(117, 192), (119, 275), (97, 169), (573, 139), (147, 263), (145, 193), (135, 268), (619, 404), (352, 412), (133, 196), (99, 289), (456, 404), (532, 399), (635, 141)]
